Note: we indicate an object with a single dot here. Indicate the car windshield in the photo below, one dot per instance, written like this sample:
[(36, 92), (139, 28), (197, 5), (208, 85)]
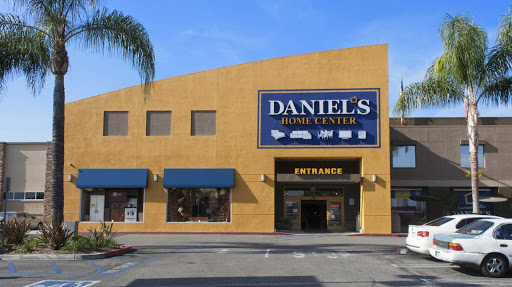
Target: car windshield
[(440, 221), (476, 228), (9, 214)]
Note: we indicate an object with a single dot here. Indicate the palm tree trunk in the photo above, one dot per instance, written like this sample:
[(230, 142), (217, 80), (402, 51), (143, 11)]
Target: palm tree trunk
[(473, 154), (56, 199)]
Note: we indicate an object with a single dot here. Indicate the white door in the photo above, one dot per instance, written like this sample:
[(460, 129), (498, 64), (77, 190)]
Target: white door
[(97, 210)]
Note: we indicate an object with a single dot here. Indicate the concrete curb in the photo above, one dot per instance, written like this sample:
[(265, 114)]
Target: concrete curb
[(196, 233), (379, 234), (124, 249)]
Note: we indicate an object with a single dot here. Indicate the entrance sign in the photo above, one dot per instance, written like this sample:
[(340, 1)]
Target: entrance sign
[(337, 118), (322, 170)]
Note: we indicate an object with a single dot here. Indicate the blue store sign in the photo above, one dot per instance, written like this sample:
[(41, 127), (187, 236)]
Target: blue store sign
[(337, 118), (465, 202)]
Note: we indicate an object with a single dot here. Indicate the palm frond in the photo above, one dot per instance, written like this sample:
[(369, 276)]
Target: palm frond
[(498, 62), (116, 33), (504, 37), (11, 21), (76, 8), (498, 92), (430, 93), (57, 16), (23, 51), (465, 46)]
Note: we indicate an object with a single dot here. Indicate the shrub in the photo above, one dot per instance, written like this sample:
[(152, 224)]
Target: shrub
[(16, 230), (108, 232), (55, 236), (30, 244), (7, 245), (79, 244), (103, 237)]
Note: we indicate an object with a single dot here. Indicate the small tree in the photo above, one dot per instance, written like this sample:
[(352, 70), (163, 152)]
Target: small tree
[(469, 73)]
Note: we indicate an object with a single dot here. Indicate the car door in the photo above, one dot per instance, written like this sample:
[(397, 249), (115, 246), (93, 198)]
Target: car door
[(30, 218), (503, 237), (20, 216)]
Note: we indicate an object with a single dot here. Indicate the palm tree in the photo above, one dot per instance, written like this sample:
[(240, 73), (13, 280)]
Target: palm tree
[(469, 73), (35, 43)]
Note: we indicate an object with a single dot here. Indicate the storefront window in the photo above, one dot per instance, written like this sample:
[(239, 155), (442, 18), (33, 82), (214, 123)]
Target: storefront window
[(118, 205), (24, 195), (464, 204), (294, 192), (334, 213), (199, 205), (314, 192), (410, 211), (329, 192), (464, 156), (403, 156), (292, 212)]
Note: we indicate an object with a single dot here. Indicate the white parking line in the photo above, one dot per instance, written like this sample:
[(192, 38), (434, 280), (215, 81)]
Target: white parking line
[(266, 254), (225, 250), (120, 267)]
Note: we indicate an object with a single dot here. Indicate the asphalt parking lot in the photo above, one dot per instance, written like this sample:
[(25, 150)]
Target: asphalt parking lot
[(251, 260)]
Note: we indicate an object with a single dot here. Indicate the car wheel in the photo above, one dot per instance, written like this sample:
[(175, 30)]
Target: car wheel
[(39, 226), (494, 265)]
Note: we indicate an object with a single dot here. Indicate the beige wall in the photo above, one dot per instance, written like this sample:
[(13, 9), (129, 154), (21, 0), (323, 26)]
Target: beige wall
[(26, 165), (233, 93), (33, 207)]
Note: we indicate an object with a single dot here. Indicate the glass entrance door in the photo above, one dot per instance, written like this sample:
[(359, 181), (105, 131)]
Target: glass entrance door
[(314, 208), (313, 216), (335, 213)]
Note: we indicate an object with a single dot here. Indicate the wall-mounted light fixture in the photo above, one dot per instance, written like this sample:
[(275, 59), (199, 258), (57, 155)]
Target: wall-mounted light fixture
[(374, 178), (70, 177), (155, 177), (262, 177)]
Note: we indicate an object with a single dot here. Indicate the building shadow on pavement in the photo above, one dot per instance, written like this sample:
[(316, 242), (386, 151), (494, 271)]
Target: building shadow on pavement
[(306, 281)]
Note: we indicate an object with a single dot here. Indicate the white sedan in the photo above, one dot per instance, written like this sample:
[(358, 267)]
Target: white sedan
[(485, 244), (419, 238)]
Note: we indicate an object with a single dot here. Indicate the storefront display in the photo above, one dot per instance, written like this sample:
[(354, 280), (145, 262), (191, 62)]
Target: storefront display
[(199, 205), (117, 205)]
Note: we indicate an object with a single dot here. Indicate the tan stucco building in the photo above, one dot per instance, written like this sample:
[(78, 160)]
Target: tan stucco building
[(235, 149)]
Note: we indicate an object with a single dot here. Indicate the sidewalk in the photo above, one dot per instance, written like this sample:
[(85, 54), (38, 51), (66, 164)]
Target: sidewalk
[(337, 233)]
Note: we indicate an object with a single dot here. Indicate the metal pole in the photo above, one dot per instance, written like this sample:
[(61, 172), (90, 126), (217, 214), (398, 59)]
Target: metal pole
[(7, 187)]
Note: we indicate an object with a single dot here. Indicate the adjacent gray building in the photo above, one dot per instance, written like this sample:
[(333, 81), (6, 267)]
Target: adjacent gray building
[(430, 167)]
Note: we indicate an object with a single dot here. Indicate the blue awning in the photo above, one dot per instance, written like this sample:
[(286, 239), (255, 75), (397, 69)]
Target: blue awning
[(199, 177), (112, 178)]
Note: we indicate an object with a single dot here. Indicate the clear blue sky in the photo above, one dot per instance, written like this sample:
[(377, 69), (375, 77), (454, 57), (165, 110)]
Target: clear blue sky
[(192, 36)]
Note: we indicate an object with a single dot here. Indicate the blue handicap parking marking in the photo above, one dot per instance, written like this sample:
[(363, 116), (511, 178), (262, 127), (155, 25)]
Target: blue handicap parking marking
[(62, 283)]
